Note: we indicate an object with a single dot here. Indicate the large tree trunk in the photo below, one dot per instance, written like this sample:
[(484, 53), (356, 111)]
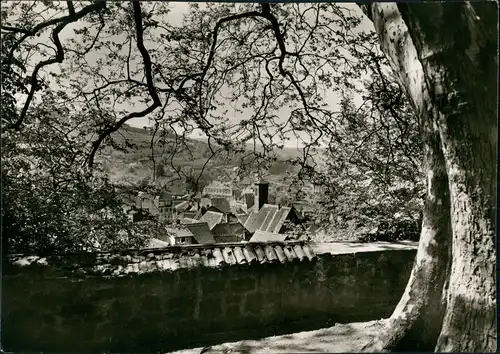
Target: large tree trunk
[(445, 57)]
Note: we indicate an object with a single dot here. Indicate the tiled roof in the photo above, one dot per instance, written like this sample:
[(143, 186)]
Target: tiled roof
[(167, 196), (238, 211), (274, 224), (198, 215), (242, 218), (206, 201), (238, 207), (185, 221), (212, 218), (201, 232), (228, 229), (218, 188), (215, 210), (222, 204), (173, 257), (228, 239), (179, 231), (269, 218), (189, 214), (182, 206), (264, 236), (245, 181), (257, 218), (303, 207), (155, 243)]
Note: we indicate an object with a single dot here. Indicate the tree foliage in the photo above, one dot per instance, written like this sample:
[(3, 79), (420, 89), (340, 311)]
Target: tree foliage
[(274, 67), (50, 200), (373, 175)]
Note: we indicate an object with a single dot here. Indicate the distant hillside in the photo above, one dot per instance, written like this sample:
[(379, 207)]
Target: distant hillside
[(285, 154), (135, 166)]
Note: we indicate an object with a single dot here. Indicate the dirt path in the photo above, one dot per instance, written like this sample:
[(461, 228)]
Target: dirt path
[(340, 338)]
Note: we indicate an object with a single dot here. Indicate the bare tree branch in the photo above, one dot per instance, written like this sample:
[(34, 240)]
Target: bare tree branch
[(149, 80), (63, 22)]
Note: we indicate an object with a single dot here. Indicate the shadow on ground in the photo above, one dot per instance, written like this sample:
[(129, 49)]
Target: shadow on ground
[(340, 338)]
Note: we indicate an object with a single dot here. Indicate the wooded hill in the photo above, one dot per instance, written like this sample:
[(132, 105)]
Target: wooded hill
[(130, 161)]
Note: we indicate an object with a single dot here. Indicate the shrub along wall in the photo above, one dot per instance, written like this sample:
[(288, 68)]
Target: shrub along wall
[(43, 310)]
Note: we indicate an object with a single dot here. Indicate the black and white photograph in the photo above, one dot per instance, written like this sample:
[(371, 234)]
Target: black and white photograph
[(248, 177)]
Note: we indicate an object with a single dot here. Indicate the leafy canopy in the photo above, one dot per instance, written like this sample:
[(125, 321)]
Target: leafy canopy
[(275, 68)]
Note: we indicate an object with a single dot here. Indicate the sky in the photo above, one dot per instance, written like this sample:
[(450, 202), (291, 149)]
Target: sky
[(178, 9), (331, 98)]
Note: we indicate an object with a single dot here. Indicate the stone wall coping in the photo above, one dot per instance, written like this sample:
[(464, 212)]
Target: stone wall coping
[(354, 247), (172, 258), (160, 250)]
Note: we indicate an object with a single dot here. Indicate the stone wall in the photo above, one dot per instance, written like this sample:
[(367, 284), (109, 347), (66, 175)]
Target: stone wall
[(48, 310)]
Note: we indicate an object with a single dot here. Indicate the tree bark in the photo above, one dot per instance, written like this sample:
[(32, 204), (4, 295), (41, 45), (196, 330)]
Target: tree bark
[(445, 56)]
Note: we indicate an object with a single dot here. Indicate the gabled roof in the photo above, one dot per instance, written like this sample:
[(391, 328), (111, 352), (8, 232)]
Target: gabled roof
[(212, 218), (205, 201), (201, 232), (222, 204), (189, 221), (239, 210), (168, 196), (264, 236), (277, 222), (198, 215), (218, 188), (242, 218), (269, 218), (228, 239), (194, 208), (245, 181), (257, 218), (189, 214), (228, 229), (182, 206), (214, 209), (155, 243), (179, 231)]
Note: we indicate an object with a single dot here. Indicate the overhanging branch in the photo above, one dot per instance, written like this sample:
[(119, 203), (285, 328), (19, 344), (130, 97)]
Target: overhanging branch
[(149, 82), (63, 22)]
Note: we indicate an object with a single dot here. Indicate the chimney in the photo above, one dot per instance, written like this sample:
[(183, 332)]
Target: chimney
[(261, 193)]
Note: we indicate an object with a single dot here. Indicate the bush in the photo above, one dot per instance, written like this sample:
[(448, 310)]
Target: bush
[(396, 231)]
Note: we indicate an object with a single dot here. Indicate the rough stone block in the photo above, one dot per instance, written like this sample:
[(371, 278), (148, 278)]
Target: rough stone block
[(120, 314), (254, 304), (242, 285), (233, 299), (233, 311), (269, 282), (210, 309)]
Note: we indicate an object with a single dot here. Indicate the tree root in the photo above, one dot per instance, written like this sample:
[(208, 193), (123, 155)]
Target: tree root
[(385, 341), (401, 334)]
